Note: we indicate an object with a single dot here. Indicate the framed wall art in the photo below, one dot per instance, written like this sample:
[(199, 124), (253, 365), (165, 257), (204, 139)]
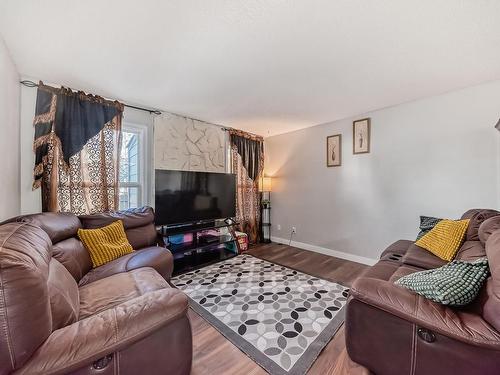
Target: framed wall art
[(334, 150), (361, 136)]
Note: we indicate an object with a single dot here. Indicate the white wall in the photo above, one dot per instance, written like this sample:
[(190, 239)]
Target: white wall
[(9, 138), (436, 156), (31, 199)]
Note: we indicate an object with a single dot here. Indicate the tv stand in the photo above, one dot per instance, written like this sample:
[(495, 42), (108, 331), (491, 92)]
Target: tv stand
[(203, 243)]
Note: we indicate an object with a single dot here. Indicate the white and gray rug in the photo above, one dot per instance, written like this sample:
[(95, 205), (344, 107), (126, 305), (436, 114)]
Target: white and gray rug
[(279, 317)]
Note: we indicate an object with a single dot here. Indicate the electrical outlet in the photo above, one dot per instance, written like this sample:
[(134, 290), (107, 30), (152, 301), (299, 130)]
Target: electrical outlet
[(279, 226), (294, 230)]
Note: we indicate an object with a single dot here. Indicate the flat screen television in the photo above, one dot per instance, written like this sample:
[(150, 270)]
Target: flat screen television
[(193, 197)]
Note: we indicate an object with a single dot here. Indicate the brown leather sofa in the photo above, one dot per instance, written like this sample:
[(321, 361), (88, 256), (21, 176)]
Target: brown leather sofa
[(393, 331), (60, 316)]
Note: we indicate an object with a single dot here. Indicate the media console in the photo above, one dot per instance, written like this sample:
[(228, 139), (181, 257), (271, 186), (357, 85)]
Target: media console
[(196, 245)]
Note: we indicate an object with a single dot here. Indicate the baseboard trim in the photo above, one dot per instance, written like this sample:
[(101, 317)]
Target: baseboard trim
[(326, 251)]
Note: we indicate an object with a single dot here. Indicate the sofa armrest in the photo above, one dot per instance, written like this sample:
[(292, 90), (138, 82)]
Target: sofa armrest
[(87, 340), (455, 323)]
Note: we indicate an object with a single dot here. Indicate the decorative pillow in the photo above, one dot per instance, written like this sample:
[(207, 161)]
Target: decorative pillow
[(105, 244), (456, 283), (426, 224), (445, 238)]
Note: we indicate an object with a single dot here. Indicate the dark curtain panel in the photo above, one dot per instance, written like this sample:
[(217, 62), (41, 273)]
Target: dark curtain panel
[(251, 149), (247, 156), (77, 144)]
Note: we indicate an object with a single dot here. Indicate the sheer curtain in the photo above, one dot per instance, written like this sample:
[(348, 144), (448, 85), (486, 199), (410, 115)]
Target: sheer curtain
[(247, 154), (77, 144)]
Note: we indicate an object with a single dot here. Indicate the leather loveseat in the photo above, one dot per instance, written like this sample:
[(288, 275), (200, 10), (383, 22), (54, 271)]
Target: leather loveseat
[(393, 331), (59, 316)]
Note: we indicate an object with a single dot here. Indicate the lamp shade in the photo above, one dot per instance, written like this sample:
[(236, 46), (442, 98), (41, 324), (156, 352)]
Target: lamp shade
[(265, 184)]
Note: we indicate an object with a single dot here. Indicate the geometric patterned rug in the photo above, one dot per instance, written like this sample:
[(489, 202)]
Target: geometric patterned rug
[(279, 317)]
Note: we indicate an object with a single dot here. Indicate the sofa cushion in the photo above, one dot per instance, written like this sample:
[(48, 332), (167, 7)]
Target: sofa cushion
[(382, 270), (445, 238), (140, 237), (469, 213), (105, 244), (156, 257), (419, 257), (456, 283), (487, 228), (389, 270), (131, 218), (72, 254), (476, 219), (63, 293), (403, 270), (62, 230), (470, 251), (59, 226), (110, 291), (138, 224)]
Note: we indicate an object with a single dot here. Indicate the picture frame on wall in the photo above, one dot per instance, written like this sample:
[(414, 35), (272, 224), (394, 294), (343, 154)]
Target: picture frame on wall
[(361, 136), (334, 150)]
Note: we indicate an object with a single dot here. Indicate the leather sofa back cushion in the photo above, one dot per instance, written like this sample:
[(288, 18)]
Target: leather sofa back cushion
[(477, 217), (59, 226), (132, 218), (25, 316), (64, 297), (470, 251), (72, 254), (62, 229), (488, 227), (491, 304), (138, 224), (142, 237), (419, 257)]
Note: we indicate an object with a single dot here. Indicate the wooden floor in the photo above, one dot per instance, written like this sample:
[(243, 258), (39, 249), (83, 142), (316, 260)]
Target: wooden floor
[(214, 354)]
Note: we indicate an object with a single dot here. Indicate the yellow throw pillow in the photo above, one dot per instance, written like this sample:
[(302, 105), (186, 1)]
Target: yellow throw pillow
[(445, 238), (105, 244)]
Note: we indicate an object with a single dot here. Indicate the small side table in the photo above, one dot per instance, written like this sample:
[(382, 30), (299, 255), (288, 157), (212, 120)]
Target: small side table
[(265, 217)]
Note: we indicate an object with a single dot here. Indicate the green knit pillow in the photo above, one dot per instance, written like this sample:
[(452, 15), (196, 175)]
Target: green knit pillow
[(456, 283)]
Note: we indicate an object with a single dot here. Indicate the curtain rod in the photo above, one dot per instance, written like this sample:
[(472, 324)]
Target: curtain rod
[(29, 83), (155, 111)]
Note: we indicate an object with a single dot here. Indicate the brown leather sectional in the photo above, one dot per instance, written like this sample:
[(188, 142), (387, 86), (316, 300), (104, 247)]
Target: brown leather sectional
[(393, 331), (60, 316)]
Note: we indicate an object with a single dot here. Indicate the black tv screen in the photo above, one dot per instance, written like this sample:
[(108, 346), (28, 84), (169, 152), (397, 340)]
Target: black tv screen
[(185, 197)]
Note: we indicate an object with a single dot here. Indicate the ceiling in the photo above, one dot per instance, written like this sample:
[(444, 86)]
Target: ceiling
[(267, 66)]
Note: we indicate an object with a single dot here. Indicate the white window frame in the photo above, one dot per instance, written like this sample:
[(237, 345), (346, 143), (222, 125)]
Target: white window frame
[(142, 152)]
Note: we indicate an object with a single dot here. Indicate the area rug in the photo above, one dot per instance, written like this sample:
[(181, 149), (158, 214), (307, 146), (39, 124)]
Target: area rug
[(279, 317)]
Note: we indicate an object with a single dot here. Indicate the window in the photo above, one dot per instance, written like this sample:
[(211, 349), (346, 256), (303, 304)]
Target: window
[(132, 172)]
